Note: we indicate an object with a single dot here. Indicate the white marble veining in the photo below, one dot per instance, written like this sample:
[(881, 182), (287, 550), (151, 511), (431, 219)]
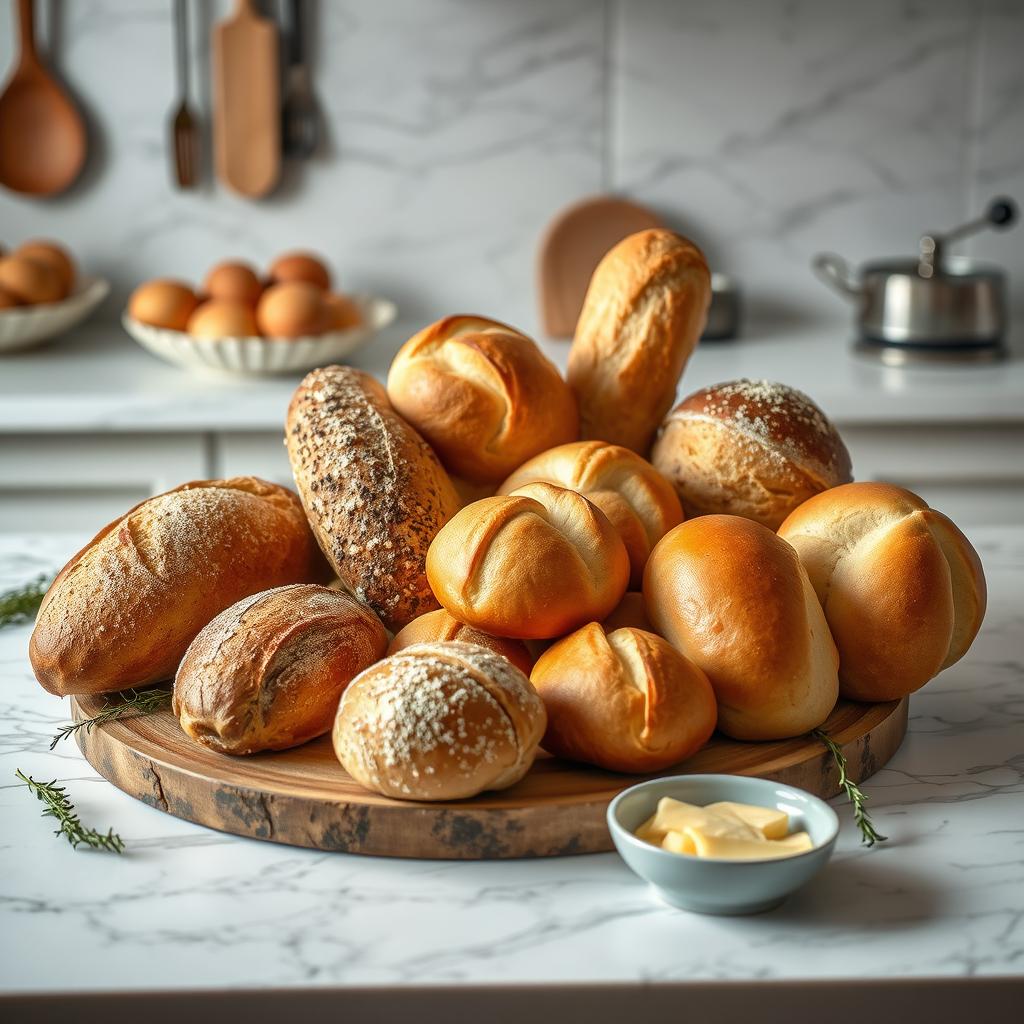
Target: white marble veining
[(189, 907)]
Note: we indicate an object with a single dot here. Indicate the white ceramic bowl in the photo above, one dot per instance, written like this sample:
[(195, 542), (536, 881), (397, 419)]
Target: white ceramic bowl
[(25, 326), (262, 355)]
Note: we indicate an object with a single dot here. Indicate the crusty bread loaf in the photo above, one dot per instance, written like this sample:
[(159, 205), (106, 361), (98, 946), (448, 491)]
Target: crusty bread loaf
[(440, 721), (627, 701), (122, 612), (734, 598), (439, 626), (749, 448), (268, 672), (533, 564), (641, 320), (374, 491), (902, 588), (483, 395), (636, 498)]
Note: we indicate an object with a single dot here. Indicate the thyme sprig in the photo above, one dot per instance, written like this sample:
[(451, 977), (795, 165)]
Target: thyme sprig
[(133, 702), (869, 835), (20, 604), (61, 809)]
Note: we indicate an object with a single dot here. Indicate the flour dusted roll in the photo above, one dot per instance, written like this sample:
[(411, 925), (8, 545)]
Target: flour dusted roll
[(636, 498), (267, 673), (374, 491), (483, 395), (641, 319), (902, 588), (122, 612), (626, 701), (734, 598), (533, 564), (751, 448), (441, 721)]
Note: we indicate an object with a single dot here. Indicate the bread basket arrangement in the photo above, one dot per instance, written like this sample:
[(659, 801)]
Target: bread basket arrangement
[(484, 561)]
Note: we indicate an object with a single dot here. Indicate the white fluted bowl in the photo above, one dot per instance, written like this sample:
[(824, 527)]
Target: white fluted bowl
[(263, 355), (25, 326)]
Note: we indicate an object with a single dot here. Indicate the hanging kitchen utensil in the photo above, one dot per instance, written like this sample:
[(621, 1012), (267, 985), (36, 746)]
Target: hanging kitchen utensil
[(300, 117), (933, 308), (42, 134), (185, 125), (247, 102)]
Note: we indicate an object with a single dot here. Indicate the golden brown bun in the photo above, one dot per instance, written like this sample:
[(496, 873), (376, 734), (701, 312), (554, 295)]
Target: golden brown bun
[(122, 612), (637, 499), (374, 491), (627, 701), (440, 721), (630, 612), (533, 564), (483, 395), (268, 672), (749, 448), (30, 281), (641, 320), (734, 599), (902, 588), (439, 626), (54, 255)]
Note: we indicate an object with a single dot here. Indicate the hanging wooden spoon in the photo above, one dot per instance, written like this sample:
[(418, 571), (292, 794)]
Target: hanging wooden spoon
[(42, 134)]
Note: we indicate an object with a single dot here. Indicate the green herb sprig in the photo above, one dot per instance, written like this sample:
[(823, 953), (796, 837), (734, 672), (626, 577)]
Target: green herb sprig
[(61, 809), (133, 702), (21, 604), (869, 835)]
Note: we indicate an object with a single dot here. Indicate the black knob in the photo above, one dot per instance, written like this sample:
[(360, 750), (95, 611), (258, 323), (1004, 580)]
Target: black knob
[(1001, 212)]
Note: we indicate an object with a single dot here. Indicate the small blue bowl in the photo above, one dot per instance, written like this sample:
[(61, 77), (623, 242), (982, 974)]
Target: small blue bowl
[(710, 885)]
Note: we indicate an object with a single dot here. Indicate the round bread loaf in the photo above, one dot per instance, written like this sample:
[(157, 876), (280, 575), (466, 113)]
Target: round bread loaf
[(268, 672), (641, 320), (440, 721), (902, 588), (439, 626), (735, 600), (122, 612), (373, 490), (483, 395), (533, 564), (626, 701), (636, 498), (749, 448)]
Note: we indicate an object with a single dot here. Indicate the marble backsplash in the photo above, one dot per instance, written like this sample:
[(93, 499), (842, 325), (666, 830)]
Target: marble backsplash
[(456, 129)]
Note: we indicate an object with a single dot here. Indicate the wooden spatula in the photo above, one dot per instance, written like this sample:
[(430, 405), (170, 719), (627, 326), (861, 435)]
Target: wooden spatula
[(572, 247), (247, 101)]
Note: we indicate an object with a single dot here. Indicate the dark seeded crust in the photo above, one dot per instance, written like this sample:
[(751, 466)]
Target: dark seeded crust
[(373, 490)]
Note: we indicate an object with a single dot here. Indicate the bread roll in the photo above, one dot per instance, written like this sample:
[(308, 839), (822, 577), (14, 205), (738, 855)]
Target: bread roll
[(122, 612), (637, 499), (533, 564), (631, 611), (626, 701), (268, 672), (483, 395), (902, 588), (374, 492), (749, 448), (439, 626), (440, 721), (641, 320), (734, 599)]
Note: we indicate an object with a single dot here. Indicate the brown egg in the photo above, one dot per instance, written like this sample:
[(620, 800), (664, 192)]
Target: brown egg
[(163, 303), (222, 318), (300, 266), (235, 281), (291, 310), (7, 300), (54, 255), (30, 282), (342, 312)]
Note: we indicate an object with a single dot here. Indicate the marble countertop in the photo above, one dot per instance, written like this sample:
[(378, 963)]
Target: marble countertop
[(98, 379), (189, 908)]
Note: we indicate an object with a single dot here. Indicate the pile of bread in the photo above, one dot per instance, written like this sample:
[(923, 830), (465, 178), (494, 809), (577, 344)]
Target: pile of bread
[(513, 564)]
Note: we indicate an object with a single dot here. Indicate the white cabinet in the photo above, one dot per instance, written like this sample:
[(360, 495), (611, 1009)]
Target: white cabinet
[(261, 453)]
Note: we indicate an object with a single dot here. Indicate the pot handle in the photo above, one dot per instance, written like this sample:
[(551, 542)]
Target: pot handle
[(836, 273)]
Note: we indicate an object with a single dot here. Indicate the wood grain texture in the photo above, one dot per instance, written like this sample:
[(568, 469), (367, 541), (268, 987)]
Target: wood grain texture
[(303, 797)]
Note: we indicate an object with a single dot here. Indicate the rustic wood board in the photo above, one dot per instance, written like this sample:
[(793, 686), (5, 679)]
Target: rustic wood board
[(303, 796)]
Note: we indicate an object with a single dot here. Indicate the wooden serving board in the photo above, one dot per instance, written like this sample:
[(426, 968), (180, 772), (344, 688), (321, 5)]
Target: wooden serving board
[(303, 796)]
